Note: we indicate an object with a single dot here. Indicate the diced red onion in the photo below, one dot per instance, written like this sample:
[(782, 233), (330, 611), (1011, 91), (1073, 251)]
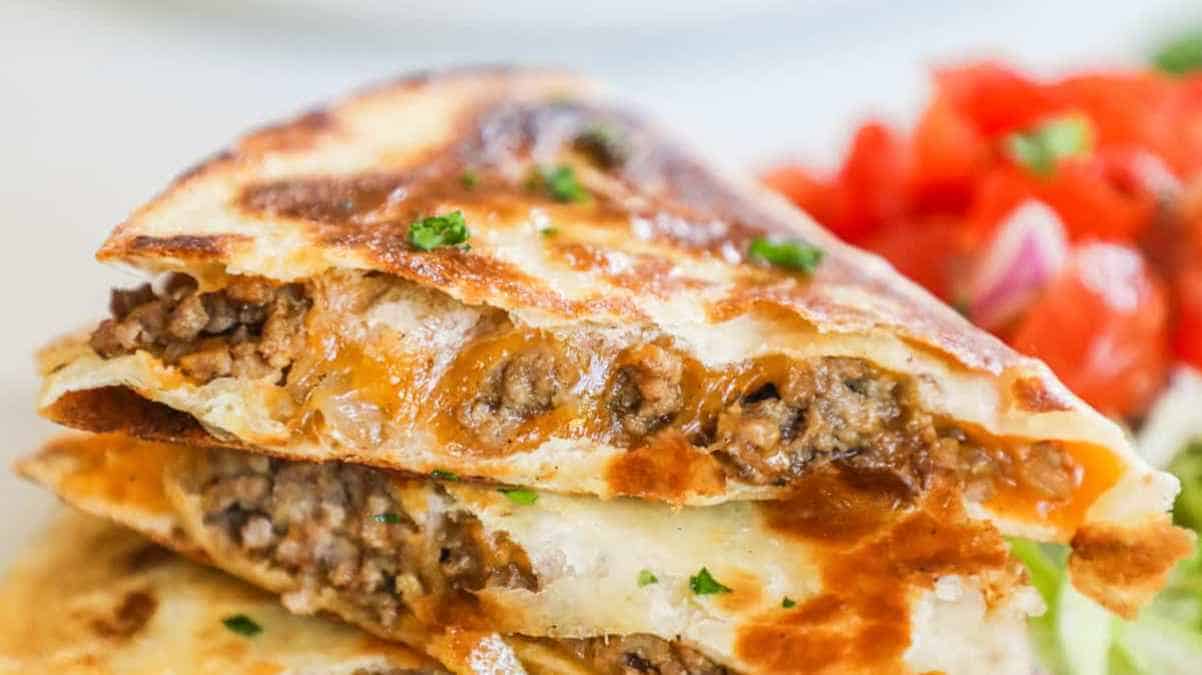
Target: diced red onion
[(1155, 176), (1028, 250)]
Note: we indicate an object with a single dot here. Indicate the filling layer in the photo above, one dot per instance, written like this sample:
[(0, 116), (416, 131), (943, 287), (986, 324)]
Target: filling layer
[(496, 388), (641, 654), (342, 528), (250, 329)]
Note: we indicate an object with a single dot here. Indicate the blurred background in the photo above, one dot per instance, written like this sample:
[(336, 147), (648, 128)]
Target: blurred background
[(102, 102)]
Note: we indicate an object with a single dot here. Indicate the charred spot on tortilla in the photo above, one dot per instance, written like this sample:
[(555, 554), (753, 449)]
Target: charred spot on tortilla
[(128, 617)]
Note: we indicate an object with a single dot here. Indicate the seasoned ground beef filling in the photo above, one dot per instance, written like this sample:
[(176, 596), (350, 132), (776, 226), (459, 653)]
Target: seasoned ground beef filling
[(249, 329), (822, 410), (341, 527), (527, 384), (835, 409), (647, 392), (641, 654)]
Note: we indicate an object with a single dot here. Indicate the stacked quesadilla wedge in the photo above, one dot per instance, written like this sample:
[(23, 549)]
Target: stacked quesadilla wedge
[(480, 354), (93, 598)]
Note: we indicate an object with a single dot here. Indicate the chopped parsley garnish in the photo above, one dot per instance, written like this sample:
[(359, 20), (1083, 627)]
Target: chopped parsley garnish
[(605, 144), (390, 518), (429, 233), (559, 182), (520, 496), (440, 474), (549, 231), (242, 625), (1181, 55), (788, 603), (647, 577), (469, 179), (704, 584), (788, 253), (1040, 149)]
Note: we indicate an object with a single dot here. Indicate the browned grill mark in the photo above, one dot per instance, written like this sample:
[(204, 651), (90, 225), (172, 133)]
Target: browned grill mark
[(198, 247), (299, 134), (134, 611), (1033, 395), (874, 549)]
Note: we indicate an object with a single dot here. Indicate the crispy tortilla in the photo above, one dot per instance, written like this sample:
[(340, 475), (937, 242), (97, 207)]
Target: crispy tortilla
[(92, 597), (838, 582), (606, 336)]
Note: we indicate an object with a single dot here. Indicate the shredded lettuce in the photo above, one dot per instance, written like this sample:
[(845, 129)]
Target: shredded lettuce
[(1078, 637), (1187, 466)]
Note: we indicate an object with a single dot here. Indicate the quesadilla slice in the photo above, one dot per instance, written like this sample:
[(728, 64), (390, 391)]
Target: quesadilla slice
[(91, 597), (844, 578), (496, 275)]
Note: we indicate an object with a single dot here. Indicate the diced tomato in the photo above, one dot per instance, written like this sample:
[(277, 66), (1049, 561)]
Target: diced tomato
[(1095, 197), (1187, 336), (1102, 326), (1186, 158), (996, 99), (871, 191), (1088, 196), (948, 155), (998, 194), (930, 203), (810, 193), (1134, 109), (929, 253)]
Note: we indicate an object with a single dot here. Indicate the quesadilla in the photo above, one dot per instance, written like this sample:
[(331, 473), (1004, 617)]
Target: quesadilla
[(91, 597), (496, 274), (842, 578)]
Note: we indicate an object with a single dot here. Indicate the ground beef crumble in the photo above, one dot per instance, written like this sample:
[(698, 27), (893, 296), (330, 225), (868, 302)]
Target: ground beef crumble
[(251, 328), (342, 526), (647, 392), (832, 410), (522, 386), (836, 409)]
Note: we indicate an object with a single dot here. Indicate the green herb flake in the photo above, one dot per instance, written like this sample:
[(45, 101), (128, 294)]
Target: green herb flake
[(605, 144), (1181, 55), (1041, 148), (520, 496), (788, 603), (647, 577), (787, 253), (469, 179), (389, 518), (440, 474), (703, 583), (549, 231), (242, 625), (429, 233), (560, 183)]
